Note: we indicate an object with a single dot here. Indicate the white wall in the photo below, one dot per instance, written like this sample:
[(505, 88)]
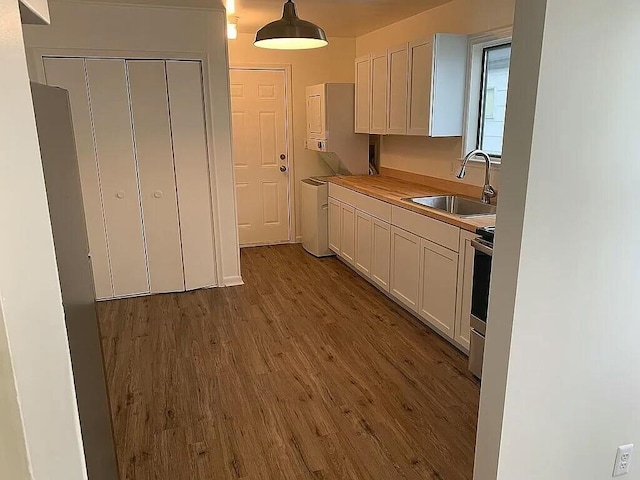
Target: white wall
[(437, 157), (29, 289), (564, 300), (14, 461), (334, 63), (155, 32), (34, 12)]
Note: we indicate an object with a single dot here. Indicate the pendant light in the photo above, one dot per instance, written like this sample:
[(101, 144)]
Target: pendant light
[(290, 32)]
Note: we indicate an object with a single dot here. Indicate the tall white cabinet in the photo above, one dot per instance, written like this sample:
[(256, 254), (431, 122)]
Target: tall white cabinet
[(142, 149)]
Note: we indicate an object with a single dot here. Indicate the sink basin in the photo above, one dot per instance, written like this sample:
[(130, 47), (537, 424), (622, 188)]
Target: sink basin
[(460, 206)]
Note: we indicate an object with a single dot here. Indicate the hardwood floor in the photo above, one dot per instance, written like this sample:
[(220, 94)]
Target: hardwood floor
[(306, 372)]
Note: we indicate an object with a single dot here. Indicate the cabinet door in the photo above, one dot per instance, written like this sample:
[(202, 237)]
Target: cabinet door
[(449, 84), (348, 233), (335, 220), (405, 267), (363, 243), (380, 253), (420, 87), (363, 94), (438, 283), (465, 286), (316, 117), (379, 74), (398, 90)]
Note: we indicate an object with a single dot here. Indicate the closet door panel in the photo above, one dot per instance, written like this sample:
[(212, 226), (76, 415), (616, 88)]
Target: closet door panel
[(69, 73), (186, 102), (152, 133), (109, 98)]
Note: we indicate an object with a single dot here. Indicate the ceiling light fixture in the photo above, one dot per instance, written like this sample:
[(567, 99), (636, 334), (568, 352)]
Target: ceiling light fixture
[(232, 28), (291, 33)]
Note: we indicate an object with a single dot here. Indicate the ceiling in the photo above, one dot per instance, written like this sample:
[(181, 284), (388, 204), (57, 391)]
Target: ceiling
[(339, 18)]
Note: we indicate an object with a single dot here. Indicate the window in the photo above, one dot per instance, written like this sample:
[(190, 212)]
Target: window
[(493, 98), (490, 57)]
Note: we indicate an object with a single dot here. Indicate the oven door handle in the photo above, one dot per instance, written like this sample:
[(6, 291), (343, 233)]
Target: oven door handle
[(482, 246)]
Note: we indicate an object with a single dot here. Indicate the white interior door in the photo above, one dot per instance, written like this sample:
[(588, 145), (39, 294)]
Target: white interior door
[(118, 174), (154, 153), (258, 99)]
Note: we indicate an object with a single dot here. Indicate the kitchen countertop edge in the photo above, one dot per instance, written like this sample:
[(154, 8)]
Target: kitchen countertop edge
[(366, 185)]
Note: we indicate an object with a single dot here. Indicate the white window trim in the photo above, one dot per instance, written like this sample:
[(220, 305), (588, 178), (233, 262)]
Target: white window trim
[(477, 44)]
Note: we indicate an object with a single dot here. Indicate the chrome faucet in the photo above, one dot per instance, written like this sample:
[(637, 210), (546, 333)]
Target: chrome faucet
[(488, 192)]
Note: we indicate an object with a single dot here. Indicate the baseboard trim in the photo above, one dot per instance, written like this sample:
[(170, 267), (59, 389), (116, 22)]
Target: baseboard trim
[(233, 281)]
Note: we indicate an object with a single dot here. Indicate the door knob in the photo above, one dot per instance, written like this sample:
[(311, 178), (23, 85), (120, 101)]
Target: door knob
[(283, 168)]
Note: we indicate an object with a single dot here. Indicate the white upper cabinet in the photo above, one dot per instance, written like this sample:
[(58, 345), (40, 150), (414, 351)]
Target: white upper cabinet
[(415, 89), (398, 90), (420, 81), (363, 94), (316, 116), (379, 90), (448, 82)]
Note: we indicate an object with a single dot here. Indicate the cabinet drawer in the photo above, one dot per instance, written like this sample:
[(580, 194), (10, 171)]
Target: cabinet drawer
[(364, 203), (438, 232)]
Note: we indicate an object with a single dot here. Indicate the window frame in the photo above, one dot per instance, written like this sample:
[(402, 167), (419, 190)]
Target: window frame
[(474, 89)]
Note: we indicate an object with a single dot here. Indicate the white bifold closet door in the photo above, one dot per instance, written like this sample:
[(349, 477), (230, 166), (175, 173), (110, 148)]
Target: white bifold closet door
[(142, 147), (186, 100), (154, 150)]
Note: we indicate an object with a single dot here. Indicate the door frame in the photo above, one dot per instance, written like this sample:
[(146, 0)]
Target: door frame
[(37, 56), (288, 99)]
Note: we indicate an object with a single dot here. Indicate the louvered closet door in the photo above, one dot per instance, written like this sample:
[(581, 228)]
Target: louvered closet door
[(154, 153), (69, 73), (186, 106), (118, 174)]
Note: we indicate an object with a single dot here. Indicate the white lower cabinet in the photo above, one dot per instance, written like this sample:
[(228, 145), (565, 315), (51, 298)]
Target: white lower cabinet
[(348, 233), (465, 287), (438, 286), (381, 254), (335, 230), (432, 277), (405, 267), (363, 243)]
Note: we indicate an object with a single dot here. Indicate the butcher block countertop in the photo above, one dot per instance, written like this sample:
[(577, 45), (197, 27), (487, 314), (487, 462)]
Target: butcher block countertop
[(392, 190)]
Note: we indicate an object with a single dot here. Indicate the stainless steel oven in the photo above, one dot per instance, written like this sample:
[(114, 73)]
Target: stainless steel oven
[(480, 297)]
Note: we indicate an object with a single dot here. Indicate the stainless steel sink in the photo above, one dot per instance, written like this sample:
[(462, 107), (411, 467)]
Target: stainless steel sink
[(460, 206)]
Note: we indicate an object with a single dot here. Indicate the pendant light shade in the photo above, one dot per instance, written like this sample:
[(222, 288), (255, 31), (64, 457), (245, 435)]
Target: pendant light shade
[(291, 33)]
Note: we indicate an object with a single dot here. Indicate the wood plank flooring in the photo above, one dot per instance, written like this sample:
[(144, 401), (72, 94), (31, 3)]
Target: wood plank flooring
[(306, 372)]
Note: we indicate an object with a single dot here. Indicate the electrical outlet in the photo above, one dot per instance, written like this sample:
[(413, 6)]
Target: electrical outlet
[(623, 460)]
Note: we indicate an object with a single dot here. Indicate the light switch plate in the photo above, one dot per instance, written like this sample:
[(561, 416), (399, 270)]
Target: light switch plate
[(623, 460)]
